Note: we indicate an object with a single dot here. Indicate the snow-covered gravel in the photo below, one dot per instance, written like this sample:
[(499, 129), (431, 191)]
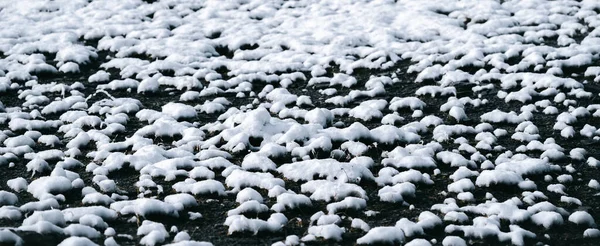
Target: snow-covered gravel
[(299, 122)]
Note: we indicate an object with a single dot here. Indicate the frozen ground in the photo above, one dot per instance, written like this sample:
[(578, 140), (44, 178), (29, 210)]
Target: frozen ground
[(299, 122)]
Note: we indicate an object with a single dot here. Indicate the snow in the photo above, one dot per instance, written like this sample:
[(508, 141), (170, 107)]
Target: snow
[(390, 235), (239, 223), (494, 177), (349, 203), (582, 218), (397, 193), (387, 134), (117, 84), (453, 159), (10, 213), (453, 241), (410, 229), (148, 85), (181, 201), (248, 194), (547, 219), (457, 217), (69, 67), (54, 217), (408, 102), (418, 242), (326, 190), (368, 110), (100, 76), (190, 243), (591, 233), (489, 227), (327, 232), (360, 224), (252, 206), (8, 198), (77, 230), (9, 237), (594, 184), (44, 227), (94, 221), (201, 187), (239, 179), (335, 107), (19, 141), (76, 241), (144, 207), (354, 148), (179, 111), (46, 185), (181, 236), (153, 233), (254, 161), (287, 201), (461, 185), (463, 172), (327, 168)]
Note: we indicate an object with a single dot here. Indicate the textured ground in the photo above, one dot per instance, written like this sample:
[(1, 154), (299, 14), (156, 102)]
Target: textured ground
[(438, 122)]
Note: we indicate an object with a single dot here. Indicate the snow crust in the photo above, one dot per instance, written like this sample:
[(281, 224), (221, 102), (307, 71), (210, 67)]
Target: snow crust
[(136, 113)]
